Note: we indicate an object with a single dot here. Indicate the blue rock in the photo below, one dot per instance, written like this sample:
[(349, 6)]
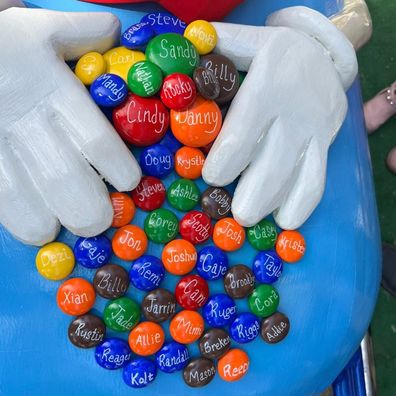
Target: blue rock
[(171, 142), (267, 266), (157, 161), (113, 353), (212, 263), (147, 272), (245, 328), (109, 90), (137, 35), (165, 22), (219, 310), (92, 252), (139, 372), (172, 357)]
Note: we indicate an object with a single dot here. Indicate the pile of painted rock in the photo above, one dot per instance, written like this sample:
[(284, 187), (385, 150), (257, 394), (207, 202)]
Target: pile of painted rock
[(176, 83)]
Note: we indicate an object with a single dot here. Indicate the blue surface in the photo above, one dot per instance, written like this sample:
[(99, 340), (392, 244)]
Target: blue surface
[(329, 296)]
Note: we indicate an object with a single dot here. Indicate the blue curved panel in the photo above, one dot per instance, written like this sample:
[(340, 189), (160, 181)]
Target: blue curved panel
[(329, 296)]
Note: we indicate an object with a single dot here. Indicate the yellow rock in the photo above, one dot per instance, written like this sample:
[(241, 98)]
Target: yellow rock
[(203, 35), (89, 67)]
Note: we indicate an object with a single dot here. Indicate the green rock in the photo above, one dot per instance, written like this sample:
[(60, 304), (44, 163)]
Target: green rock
[(144, 78), (183, 194), (161, 225), (264, 300), (122, 314), (263, 235)]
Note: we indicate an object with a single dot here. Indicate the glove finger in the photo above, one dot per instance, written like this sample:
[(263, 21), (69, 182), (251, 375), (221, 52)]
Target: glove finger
[(70, 187), (94, 136), (22, 210), (266, 181), (307, 189)]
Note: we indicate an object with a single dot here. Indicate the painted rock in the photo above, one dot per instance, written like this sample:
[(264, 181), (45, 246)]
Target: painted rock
[(129, 242), (275, 328), (216, 202), (89, 67), (179, 257), (121, 314), (141, 121), (189, 162), (172, 53), (290, 246), (195, 227), (113, 353), (156, 160), (161, 225), (214, 343), (267, 266), (212, 263), (137, 35), (233, 365), (239, 281), (111, 281), (186, 327), (172, 357), (191, 292), (183, 194), (86, 331), (147, 272), (109, 90), (146, 338), (220, 310), (228, 235), (245, 328), (178, 91), (92, 252), (264, 300), (199, 372), (164, 22), (263, 235), (159, 305), (139, 372), (207, 83), (144, 78), (123, 207), (150, 193), (203, 35)]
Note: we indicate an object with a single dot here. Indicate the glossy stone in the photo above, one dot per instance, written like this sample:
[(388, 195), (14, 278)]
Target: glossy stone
[(172, 357), (86, 331), (179, 257), (164, 22), (161, 225), (226, 73), (245, 328), (137, 35), (113, 353), (150, 193), (267, 266), (183, 194), (290, 246), (199, 372), (275, 328), (123, 207), (186, 326), (189, 162), (109, 90), (191, 292), (172, 53), (228, 235), (212, 263), (156, 160), (111, 281), (89, 67), (121, 314), (233, 365), (214, 343), (129, 242), (178, 91), (239, 281), (147, 272), (264, 300), (144, 78), (139, 372), (92, 252), (263, 235), (220, 310), (203, 35), (207, 83), (146, 338), (159, 305), (216, 202), (196, 227)]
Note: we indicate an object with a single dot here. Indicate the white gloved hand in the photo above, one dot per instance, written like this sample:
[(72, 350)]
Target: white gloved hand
[(51, 130), (285, 115)]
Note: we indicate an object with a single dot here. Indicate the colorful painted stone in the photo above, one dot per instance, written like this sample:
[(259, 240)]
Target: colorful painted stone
[(89, 67), (214, 343), (183, 194), (212, 263), (264, 300), (150, 193), (122, 314), (161, 225), (233, 365), (172, 53), (263, 235), (178, 91), (111, 281), (141, 121), (55, 261), (144, 78), (92, 252), (198, 125), (186, 326), (156, 160), (239, 281), (146, 338), (86, 331), (108, 90), (226, 73), (228, 235), (203, 35), (189, 162), (139, 372), (290, 246), (199, 372), (245, 328), (129, 242), (76, 296), (220, 310), (159, 305), (172, 357), (207, 83), (216, 202), (113, 353), (137, 36), (171, 142), (267, 266), (120, 59), (275, 328), (123, 207), (196, 227), (147, 272), (191, 292), (179, 257), (164, 22)]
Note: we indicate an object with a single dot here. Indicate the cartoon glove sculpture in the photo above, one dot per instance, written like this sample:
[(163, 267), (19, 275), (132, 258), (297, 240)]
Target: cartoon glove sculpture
[(50, 129), (284, 117)]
